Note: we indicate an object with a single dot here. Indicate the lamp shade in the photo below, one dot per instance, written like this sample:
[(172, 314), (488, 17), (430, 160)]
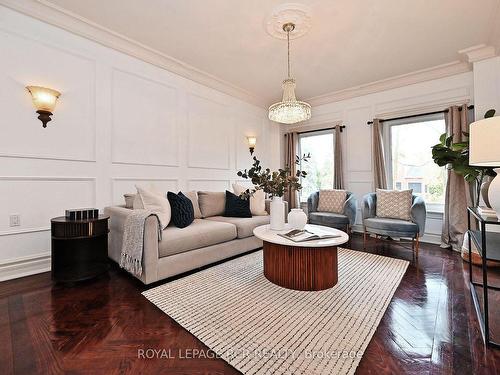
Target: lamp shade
[(252, 141), (484, 142), (44, 99)]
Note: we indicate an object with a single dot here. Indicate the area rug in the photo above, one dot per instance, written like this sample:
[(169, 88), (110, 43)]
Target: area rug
[(261, 328)]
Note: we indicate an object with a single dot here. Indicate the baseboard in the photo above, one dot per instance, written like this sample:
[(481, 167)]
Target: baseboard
[(427, 237), (24, 266)]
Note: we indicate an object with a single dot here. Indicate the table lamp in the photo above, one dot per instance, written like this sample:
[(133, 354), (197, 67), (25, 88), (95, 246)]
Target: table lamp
[(484, 151)]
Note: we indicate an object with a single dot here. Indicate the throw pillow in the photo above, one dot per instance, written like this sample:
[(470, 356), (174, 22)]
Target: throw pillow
[(182, 209), (394, 204), (193, 197), (257, 200), (332, 200), (236, 206), (212, 203), (152, 201)]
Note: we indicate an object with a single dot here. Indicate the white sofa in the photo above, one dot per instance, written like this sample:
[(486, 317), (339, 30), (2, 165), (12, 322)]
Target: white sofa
[(206, 240)]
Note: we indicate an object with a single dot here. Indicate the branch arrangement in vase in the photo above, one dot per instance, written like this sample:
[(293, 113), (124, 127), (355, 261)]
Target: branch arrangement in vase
[(274, 183)]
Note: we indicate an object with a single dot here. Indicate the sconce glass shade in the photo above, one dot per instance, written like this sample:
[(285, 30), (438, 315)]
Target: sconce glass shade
[(484, 142), (252, 141), (44, 99)]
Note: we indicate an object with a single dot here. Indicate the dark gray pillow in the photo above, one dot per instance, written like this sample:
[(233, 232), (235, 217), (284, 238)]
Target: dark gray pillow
[(236, 206), (182, 209)]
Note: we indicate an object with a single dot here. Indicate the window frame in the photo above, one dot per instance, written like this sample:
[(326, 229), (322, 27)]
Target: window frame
[(436, 208), (314, 133)]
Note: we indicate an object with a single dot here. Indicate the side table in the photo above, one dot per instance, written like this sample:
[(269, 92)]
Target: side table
[(488, 246), (79, 248)]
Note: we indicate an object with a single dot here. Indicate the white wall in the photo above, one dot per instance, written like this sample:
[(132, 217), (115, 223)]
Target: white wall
[(118, 122), (354, 114)]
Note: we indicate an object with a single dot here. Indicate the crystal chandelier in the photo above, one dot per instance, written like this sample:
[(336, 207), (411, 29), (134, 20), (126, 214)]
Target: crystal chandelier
[(289, 110)]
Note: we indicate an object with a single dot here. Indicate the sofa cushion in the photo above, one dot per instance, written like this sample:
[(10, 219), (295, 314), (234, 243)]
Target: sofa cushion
[(193, 196), (154, 202), (390, 225), (332, 200), (182, 209), (212, 203), (244, 226), (394, 204), (257, 199), (328, 218), (200, 233), (236, 206)]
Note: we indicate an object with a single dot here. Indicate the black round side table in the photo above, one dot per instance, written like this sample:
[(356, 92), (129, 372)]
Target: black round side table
[(79, 248)]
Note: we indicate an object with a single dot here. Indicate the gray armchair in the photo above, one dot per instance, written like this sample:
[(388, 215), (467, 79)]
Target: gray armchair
[(381, 226), (342, 221)]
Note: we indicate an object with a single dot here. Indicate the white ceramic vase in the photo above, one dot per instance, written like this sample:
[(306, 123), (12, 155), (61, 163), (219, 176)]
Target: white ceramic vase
[(277, 214), (297, 218), (494, 193)]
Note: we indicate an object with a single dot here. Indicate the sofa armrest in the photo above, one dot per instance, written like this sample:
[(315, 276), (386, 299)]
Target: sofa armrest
[(369, 207), (350, 207), (419, 213), (117, 217), (312, 202)]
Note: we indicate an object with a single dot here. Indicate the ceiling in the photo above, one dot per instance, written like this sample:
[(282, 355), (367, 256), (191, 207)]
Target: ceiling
[(350, 42)]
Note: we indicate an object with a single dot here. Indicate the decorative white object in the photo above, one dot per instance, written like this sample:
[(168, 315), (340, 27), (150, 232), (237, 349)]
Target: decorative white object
[(297, 218), (289, 110), (277, 214), (484, 151)]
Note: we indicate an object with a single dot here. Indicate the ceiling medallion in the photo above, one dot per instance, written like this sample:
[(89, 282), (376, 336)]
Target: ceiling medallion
[(289, 110), (298, 14)]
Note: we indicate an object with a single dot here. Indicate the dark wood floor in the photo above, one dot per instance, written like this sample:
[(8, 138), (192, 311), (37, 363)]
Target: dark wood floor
[(98, 327)]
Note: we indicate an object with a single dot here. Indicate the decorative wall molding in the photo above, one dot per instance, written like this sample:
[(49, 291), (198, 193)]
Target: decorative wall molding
[(69, 21), (114, 181), (24, 266), (115, 159), (477, 53), (193, 181), (21, 231), (418, 76)]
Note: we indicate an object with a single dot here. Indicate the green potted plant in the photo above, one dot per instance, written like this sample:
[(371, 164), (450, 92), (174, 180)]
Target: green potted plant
[(455, 156), (274, 183)]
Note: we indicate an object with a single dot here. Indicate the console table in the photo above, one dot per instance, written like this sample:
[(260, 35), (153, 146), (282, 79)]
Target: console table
[(488, 246), (79, 248)]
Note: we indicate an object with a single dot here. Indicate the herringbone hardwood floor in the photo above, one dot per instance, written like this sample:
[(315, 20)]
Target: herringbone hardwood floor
[(98, 327)]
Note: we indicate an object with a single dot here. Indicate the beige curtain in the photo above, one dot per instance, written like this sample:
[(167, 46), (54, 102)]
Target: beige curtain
[(338, 171), (291, 146), (457, 195), (378, 157)]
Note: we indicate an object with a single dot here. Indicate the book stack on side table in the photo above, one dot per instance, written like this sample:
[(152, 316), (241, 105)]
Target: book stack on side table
[(486, 212)]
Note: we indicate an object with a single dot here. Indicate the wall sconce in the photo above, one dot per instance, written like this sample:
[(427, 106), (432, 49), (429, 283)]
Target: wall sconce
[(252, 141), (44, 100)]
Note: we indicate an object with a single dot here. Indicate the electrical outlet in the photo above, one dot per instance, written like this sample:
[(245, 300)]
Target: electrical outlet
[(15, 220)]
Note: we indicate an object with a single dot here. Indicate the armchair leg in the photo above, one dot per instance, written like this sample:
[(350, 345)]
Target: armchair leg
[(417, 244), (364, 238)]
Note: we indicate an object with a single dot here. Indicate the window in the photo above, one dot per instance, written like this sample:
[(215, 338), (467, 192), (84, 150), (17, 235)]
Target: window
[(410, 161), (319, 168)]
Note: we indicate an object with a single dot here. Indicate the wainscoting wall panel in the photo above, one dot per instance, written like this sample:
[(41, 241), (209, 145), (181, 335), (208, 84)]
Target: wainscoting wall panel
[(27, 61), (119, 122), (144, 121)]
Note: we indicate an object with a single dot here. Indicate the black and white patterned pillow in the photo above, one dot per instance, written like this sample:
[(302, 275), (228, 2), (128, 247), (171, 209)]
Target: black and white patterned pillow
[(236, 206), (182, 209)]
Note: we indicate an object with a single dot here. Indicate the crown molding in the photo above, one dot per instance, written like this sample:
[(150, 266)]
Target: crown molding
[(52, 14), (418, 76), (477, 53)]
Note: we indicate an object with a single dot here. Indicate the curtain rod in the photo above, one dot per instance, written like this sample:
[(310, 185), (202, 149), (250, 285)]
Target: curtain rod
[(322, 129), (418, 115)]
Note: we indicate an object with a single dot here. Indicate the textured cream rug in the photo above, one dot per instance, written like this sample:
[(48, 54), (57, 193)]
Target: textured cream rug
[(261, 328)]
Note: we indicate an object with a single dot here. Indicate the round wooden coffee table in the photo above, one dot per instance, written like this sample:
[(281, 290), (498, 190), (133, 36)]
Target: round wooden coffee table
[(310, 265)]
